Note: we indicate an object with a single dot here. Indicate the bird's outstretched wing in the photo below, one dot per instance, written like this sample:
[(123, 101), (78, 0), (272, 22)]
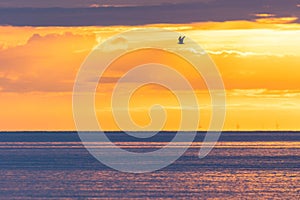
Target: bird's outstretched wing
[(181, 39)]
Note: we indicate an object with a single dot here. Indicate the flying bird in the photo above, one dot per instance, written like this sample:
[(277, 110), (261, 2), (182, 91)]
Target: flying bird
[(181, 39)]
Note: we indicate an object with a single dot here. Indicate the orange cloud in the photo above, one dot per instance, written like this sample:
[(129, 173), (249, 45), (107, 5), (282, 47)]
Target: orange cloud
[(277, 20), (264, 15), (45, 63)]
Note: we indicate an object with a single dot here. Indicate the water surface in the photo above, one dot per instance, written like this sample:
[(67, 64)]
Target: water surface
[(243, 165)]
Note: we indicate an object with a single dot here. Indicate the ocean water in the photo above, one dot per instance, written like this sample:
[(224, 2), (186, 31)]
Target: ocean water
[(243, 165)]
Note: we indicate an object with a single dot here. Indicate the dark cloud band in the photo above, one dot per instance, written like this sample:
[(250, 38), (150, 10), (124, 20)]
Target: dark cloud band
[(218, 10)]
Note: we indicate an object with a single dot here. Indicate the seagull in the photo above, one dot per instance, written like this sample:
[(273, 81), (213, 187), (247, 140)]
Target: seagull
[(181, 39)]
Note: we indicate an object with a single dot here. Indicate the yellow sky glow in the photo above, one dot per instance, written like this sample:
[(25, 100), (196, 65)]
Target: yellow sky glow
[(259, 63)]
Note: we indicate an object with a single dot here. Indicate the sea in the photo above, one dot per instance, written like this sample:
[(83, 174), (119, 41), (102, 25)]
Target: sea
[(242, 165)]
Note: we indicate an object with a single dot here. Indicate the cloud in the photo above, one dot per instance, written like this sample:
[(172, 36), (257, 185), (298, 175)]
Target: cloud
[(277, 20), (87, 3), (45, 63), (226, 53), (139, 13), (115, 44), (264, 15), (264, 93), (237, 53), (94, 5)]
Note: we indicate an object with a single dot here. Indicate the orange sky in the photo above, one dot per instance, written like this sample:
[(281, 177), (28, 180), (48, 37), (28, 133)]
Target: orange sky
[(259, 63)]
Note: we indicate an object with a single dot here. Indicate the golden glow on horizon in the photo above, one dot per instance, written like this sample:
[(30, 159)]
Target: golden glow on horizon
[(259, 62)]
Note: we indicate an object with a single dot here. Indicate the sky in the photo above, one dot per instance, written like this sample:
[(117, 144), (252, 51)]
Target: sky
[(255, 45)]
